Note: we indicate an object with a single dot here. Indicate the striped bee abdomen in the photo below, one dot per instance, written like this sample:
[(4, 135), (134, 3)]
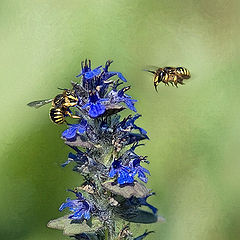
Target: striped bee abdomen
[(183, 72), (56, 115)]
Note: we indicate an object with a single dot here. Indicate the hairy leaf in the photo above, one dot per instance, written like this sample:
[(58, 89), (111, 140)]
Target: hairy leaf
[(71, 227), (136, 189)]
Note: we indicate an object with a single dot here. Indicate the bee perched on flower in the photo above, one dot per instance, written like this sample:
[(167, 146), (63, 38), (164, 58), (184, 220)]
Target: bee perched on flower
[(103, 152)]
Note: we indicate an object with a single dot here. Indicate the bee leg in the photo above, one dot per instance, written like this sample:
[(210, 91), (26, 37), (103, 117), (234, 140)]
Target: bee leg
[(171, 83), (175, 82), (74, 116), (181, 81), (70, 115)]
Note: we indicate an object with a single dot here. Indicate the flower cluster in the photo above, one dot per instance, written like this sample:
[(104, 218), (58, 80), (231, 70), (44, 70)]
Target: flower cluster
[(104, 153), (80, 207), (126, 173)]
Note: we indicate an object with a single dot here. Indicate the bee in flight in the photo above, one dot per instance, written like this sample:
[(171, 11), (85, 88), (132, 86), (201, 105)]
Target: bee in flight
[(60, 105), (173, 75)]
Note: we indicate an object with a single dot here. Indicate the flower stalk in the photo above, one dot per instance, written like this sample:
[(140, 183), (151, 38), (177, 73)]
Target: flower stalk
[(103, 150)]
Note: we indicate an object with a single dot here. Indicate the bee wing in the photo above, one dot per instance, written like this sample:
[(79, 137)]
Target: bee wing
[(39, 103), (150, 68)]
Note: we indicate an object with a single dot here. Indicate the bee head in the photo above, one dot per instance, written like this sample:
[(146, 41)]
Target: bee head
[(70, 92), (71, 97)]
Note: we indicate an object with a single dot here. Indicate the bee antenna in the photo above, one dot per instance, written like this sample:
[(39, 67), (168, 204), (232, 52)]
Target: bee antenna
[(62, 88), (148, 71)]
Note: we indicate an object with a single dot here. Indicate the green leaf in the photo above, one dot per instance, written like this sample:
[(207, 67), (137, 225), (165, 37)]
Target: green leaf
[(141, 216), (113, 109), (136, 189), (71, 227), (79, 142)]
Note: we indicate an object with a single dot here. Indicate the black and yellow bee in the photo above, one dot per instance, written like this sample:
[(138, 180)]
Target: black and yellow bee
[(60, 105), (173, 75)]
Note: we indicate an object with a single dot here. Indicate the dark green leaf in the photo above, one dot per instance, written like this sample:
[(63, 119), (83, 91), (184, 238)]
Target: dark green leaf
[(141, 216)]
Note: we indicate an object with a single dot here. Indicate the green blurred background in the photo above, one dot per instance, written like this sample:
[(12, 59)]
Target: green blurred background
[(194, 130)]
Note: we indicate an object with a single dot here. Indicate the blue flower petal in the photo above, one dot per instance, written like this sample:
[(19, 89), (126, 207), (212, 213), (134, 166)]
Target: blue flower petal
[(79, 75), (141, 130), (95, 72), (70, 133), (144, 170), (118, 74), (154, 210), (121, 77), (82, 128), (96, 110), (125, 176), (77, 215), (72, 156), (112, 172), (86, 105), (107, 75), (66, 163), (130, 104), (87, 215), (142, 176), (80, 207), (68, 203), (143, 235)]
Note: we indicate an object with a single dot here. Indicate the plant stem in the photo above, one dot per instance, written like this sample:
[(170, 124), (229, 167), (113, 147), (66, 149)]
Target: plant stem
[(106, 234)]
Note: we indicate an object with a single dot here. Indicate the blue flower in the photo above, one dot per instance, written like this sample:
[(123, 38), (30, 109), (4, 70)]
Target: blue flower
[(124, 173), (130, 137), (86, 68), (138, 169), (80, 207), (143, 235), (106, 74), (75, 129), (91, 74), (143, 202), (96, 108), (120, 96), (130, 122), (80, 158)]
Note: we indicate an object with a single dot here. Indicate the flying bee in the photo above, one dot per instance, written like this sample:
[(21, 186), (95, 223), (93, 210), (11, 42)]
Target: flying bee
[(60, 105), (173, 75)]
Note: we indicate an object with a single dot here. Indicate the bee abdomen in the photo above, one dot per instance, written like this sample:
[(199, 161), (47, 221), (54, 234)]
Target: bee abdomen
[(56, 115), (183, 72)]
